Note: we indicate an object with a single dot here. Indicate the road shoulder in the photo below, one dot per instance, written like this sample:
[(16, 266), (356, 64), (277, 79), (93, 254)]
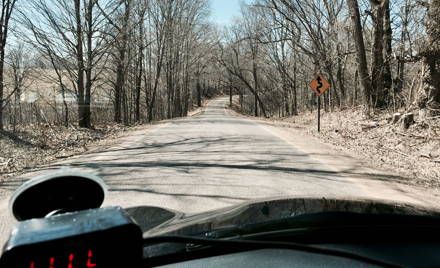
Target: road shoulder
[(376, 182)]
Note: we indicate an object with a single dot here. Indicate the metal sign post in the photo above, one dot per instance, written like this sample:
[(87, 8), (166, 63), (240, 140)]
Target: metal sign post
[(319, 85), (319, 113)]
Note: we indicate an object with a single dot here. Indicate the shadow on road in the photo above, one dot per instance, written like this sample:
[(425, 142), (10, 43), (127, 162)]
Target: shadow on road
[(226, 154)]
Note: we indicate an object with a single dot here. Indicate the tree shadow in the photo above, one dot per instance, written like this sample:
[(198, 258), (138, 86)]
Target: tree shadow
[(15, 138), (215, 160), (193, 156)]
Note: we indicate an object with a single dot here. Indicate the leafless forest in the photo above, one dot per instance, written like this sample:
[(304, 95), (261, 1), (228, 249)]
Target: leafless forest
[(106, 61), (139, 61), (83, 63), (379, 54)]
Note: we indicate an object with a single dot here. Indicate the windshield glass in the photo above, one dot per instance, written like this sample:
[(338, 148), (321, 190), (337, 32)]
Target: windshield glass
[(200, 105)]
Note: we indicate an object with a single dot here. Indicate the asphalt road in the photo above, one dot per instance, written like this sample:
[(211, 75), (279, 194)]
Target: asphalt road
[(216, 159)]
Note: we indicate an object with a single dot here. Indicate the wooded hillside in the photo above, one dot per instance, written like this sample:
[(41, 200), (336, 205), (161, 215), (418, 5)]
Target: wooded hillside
[(150, 60), (158, 59), (380, 54)]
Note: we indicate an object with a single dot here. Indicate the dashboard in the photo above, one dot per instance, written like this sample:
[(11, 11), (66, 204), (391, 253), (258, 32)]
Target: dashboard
[(399, 255), (271, 258)]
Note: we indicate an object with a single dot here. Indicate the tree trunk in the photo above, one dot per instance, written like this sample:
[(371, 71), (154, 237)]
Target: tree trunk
[(120, 67), (82, 113), (66, 107), (2, 64), (377, 62), (285, 86), (340, 75), (88, 70), (6, 12), (295, 100), (199, 93), (230, 96), (118, 89), (256, 86), (401, 63), (125, 107), (256, 104), (355, 90), (429, 94), (360, 50), (17, 100), (138, 87), (388, 36), (156, 84)]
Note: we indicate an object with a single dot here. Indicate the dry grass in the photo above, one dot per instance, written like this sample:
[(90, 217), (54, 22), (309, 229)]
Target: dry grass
[(33, 145), (39, 144), (413, 153)]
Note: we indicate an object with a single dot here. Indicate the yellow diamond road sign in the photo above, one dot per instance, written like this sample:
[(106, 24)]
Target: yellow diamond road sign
[(319, 85)]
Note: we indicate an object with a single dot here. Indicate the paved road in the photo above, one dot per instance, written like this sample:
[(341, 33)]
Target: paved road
[(215, 159)]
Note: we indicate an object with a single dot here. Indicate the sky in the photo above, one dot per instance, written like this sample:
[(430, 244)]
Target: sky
[(223, 11)]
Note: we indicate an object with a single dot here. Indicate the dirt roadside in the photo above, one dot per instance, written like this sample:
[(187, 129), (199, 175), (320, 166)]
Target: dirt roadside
[(411, 156), (39, 145)]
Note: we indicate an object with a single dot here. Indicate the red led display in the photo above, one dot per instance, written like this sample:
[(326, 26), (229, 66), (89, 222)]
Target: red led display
[(71, 257), (85, 261), (89, 259)]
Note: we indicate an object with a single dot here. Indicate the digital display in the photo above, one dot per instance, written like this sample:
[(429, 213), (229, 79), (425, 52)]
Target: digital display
[(99, 238), (76, 259)]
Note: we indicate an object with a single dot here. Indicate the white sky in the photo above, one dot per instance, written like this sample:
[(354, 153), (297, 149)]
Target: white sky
[(224, 11)]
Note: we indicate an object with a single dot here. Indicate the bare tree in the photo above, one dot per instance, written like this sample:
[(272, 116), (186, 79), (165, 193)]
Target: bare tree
[(361, 54), (245, 70), (19, 72), (379, 94), (7, 9), (429, 94), (67, 34)]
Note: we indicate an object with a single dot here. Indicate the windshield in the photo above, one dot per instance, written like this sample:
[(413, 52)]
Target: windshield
[(199, 105)]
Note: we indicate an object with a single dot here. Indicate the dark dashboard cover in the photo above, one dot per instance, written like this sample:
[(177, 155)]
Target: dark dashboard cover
[(159, 221)]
